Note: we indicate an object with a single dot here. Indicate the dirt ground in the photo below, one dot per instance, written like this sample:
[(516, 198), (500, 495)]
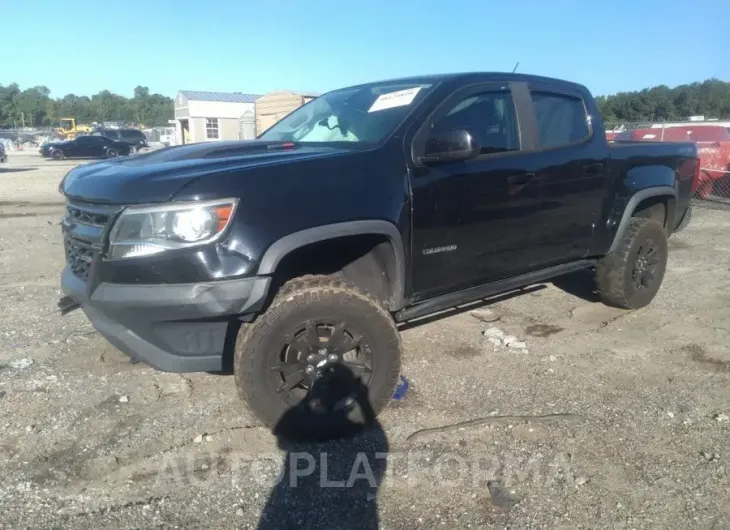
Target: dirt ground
[(90, 440)]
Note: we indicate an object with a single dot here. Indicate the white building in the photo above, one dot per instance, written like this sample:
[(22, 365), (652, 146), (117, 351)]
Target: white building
[(213, 116)]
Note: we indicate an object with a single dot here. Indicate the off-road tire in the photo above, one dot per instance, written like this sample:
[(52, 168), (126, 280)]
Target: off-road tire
[(301, 299), (57, 154), (614, 273)]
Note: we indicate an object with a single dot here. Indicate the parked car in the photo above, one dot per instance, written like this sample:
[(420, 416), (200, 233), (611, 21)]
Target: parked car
[(296, 254), (133, 137), (85, 147), (3, 154)]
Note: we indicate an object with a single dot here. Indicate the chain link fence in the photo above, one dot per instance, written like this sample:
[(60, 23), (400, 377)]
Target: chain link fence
[(26, 138), (712, 188)]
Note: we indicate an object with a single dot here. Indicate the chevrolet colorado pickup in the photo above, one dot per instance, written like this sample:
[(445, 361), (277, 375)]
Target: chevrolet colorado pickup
[(291, 255)]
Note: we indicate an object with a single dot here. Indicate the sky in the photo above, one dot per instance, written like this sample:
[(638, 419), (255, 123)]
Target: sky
[(257, 46)]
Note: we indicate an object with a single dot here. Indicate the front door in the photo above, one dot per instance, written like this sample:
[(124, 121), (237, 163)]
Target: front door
[(96, 146), (82, 147), (73, 148), (472, 219)]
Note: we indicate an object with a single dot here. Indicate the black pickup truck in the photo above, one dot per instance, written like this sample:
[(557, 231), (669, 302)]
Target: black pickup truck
[(295, 255)]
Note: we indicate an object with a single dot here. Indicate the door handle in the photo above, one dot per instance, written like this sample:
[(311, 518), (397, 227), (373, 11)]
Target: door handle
[(593, 169), (521, 179)]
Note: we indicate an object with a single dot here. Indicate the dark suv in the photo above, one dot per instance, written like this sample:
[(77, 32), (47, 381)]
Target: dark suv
[(134, 137)]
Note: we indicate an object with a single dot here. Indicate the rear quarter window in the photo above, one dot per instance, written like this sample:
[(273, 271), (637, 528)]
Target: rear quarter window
[(561, 119)]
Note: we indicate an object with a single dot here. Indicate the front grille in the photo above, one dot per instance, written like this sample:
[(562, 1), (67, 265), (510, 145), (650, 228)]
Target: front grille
[(94, 218), (78, 257), (84, 228)]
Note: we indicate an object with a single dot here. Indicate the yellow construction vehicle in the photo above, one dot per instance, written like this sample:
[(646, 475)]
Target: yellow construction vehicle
[(69, 129)]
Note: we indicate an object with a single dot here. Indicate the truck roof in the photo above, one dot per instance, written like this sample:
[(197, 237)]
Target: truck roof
[(482, 77)]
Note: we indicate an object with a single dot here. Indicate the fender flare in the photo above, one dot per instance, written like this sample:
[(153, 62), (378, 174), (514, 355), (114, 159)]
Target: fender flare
[(280, 248), (655, 191)]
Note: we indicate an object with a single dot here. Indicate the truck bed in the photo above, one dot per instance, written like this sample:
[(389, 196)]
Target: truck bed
[(645, 161), (624, 150)]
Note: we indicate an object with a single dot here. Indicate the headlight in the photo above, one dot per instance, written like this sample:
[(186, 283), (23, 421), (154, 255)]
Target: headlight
[(142, 231)]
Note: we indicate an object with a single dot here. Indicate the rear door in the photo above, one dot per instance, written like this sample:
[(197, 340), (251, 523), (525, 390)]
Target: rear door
[(572, 168)]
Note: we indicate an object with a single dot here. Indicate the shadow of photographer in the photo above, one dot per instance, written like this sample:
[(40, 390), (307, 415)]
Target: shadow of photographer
[(336, 458)]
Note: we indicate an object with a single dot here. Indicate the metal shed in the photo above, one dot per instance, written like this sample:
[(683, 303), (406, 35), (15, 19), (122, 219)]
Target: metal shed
[(212, 116)]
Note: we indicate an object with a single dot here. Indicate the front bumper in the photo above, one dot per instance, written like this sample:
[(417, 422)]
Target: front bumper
[(173, 327)]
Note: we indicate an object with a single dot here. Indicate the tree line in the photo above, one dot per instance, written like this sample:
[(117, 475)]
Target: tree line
[(34, 107), (710, 99)]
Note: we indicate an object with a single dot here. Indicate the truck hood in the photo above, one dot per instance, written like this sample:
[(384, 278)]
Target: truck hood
[(159, 175)]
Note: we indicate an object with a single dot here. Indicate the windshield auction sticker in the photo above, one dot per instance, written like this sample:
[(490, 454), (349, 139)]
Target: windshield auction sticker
[(394, 99)]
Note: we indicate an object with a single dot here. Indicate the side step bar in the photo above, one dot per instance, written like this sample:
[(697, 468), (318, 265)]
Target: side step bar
[(465, 296)]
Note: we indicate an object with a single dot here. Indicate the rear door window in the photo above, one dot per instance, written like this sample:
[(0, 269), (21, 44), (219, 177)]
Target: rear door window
[(561, 119)]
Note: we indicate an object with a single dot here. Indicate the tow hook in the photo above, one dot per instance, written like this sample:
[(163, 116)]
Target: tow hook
[(67, 304)]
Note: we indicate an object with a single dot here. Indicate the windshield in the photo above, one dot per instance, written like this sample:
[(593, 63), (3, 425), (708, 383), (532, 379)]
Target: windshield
[(365, 114)]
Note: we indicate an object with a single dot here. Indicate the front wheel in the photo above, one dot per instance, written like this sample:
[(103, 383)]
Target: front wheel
[(57, 154), (630, 276), (112, 153), (322, 361)]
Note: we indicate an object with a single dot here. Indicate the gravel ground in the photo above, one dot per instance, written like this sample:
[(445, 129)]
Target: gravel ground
[(90, 440)]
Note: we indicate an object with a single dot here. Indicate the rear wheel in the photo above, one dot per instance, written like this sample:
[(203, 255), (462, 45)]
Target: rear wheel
[(112, 153), (57, 154), (631, 276), (322, 361)]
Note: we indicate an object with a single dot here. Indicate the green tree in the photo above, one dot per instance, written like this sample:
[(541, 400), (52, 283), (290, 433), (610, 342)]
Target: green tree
[(30, 106), (35, 107), (710, 98), (7, 107)]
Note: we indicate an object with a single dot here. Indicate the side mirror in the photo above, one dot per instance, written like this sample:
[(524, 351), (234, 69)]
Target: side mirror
[(450, 146)]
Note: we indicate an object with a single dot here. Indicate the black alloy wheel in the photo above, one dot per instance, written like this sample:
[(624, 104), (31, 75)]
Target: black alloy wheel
[(645, 265), (307, 359)]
